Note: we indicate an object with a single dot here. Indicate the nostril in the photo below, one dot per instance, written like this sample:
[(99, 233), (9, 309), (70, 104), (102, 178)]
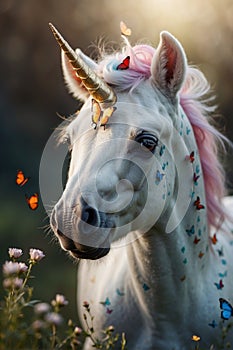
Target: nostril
[(90, 216)]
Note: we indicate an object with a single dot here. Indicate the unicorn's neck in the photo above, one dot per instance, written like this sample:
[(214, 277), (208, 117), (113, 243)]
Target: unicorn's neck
[(162, 267)]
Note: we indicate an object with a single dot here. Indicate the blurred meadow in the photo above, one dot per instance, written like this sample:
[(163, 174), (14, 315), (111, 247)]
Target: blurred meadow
[(32, 93)]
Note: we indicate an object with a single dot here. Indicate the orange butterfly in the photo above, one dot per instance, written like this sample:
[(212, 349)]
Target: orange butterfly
[(33, 201), (21, 180), (124, 64), (96, 112), (196, 240), (190, 157), (196, 337), (214, 239), (124, 29), (200, 255), (198, 204), (106, 115)]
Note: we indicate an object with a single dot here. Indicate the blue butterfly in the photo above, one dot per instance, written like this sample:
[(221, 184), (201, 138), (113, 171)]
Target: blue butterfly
[(190, 231), (106, 302), (197, 169), (145, 287), (227, 309), (120, 293), (220, 252), (158, 177), (162, 149), (219, 285), (223, 274), (213, 324)]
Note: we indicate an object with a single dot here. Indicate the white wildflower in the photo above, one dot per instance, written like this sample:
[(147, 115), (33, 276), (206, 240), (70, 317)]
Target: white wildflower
[(15, 252), (60, 300), (22, 267), (77, 330), (38, 324), (54, 318), (17, 282), (11, 267), (36, 255), (7, 283), (41, 308), (14, 283)]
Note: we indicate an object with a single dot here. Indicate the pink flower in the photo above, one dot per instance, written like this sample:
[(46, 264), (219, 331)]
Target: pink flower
[(15, 252), (22, 267), (41, 308), (54, 318), (10, 268), (77, 330), (60, 300), (36, 255), (38, 325), (15, 283)]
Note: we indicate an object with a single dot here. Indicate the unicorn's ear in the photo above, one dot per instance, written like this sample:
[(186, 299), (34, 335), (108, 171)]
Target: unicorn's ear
[(73, 82), (169, 65)]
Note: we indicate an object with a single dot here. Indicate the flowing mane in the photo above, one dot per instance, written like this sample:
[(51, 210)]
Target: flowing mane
[(195, 103)]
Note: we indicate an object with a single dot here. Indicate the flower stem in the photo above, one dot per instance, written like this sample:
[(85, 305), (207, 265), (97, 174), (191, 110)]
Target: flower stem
[(27, 275), (53, 341)]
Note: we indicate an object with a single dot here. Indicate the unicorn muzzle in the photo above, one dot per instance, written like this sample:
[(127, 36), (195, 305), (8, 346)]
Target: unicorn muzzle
[(84, 233), (81, 251)]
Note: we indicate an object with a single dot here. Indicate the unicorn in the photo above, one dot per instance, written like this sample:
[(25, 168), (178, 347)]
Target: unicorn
[(143, 209)]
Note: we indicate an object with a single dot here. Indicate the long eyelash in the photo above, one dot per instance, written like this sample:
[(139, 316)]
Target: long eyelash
[(62, 136)]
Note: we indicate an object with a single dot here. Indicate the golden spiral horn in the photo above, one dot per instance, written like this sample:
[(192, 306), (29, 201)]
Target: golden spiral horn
[(96, 86)]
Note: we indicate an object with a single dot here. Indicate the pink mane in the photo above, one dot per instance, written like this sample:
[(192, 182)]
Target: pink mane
[(207, 137), (192, 100)]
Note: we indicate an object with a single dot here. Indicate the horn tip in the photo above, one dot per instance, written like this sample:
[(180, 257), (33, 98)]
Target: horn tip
[(51, 25), (54, 31)]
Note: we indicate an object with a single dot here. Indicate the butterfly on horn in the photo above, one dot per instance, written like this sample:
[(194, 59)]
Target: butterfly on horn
[(99, 116)]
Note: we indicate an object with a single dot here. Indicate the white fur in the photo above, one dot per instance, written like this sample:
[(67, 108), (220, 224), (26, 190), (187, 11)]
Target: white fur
[(169, 54), (160, 285), (73, 83)]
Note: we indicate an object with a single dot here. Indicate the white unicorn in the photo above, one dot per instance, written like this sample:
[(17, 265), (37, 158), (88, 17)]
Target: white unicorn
[(144, 198)]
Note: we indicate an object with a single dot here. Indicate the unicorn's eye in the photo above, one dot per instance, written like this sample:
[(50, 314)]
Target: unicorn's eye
[(147, 141)]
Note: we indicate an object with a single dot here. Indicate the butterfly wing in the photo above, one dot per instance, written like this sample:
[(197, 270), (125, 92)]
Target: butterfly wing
[(198, 204), (195, 178), (191, 231), (214, 239), (106, 115), (96, 112), (196, 240), (124, 29), (21, 180), (124, 64), (109, 311), (119, 292), (33, 201), (227, 310)]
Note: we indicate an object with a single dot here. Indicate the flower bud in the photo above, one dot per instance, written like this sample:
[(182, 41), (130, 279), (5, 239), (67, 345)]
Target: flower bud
[(77, 330), (60, 300)]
